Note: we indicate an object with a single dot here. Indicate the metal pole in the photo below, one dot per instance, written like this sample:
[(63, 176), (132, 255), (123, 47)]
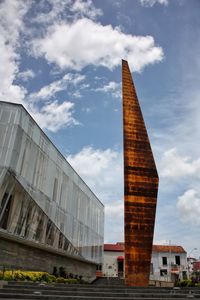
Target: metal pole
[(170, 260)]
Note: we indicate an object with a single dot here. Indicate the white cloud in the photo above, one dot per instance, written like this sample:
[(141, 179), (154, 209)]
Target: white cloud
[(175, 166), (115, 209), (87, 110), (50, 90), (86, 9), (11, 16), (55, 116), (114, 88), (25, 75), (68, 10), (102, 170), (114, 221), (161, 242), (55, 10), (52, 116), (150, 3), (189, 207), (105, 47), (11, 24)]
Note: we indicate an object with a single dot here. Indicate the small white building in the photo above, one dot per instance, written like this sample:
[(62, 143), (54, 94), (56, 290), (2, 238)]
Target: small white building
[(113, 265), (167, 262)]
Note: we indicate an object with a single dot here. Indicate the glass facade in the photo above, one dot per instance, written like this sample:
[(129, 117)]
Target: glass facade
[(42, 198)]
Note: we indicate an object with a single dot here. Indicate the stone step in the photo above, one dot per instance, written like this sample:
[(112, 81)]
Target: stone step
[(74, 289), (97, 289), (28, 283), (91, 286), (88, 287), (53, 297), (79, 285), (44, 291), (109, 281), (94, 293), (18, 283)]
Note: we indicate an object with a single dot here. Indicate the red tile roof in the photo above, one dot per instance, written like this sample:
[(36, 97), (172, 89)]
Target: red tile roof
[(168, 248), (119, 247)]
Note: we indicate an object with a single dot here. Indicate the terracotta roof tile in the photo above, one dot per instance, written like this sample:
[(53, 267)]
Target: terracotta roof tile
[(168, 248), (119, 247)]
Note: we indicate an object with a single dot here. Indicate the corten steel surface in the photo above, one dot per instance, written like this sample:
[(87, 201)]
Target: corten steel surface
[(140, 187)]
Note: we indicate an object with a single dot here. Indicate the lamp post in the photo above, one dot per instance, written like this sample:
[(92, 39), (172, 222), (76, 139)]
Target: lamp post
[(170, 260)]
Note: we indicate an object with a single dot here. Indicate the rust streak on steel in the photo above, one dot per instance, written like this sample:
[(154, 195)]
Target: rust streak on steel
[(140, 187)]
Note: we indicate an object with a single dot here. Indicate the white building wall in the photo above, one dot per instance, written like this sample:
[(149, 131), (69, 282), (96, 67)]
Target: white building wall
[(110, 267), (110, 264), (171, 266)]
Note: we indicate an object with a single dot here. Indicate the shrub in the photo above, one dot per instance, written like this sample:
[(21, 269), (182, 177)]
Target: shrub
[(52, 278), (60, 280), (55, 272), (8, 275), (26, 275), (72, 281), (187, 282), (62, 272), (35, 276)]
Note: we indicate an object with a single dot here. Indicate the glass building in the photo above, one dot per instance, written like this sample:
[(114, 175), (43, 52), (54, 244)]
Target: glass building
[(43, 201)]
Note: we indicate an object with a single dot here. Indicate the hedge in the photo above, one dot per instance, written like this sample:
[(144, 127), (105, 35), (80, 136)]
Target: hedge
[(19, 275)]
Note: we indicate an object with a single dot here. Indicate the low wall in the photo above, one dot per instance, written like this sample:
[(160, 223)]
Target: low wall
[(159, 283), (16, 255)]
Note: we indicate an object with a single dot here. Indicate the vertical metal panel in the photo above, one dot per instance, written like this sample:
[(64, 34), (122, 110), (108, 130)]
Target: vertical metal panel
[(37, 164), (140, 187)]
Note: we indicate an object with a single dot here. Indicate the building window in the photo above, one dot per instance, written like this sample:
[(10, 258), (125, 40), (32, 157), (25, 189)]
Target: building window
[(163, 272), (3, 202), (109, 267), (39, 227), (61, 240), (99, 267), (164, 261), (49, 233), (5, 211), (178, 260)]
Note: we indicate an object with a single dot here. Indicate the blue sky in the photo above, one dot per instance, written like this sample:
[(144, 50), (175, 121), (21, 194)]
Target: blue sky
[(62, 61)]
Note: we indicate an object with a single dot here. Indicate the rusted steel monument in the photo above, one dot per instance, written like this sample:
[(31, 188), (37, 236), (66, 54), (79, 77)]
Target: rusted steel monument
[(140, 187)]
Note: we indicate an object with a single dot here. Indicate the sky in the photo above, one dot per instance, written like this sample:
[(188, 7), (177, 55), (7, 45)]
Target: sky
[(61, 59)]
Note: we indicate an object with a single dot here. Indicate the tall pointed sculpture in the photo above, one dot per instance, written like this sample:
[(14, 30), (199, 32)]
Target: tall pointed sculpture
[(140, 187)]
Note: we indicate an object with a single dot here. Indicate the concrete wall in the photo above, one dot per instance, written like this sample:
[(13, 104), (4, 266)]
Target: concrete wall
[(16, 255)]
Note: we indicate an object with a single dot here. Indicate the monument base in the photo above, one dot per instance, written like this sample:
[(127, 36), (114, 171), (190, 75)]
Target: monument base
[(137, 280)]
